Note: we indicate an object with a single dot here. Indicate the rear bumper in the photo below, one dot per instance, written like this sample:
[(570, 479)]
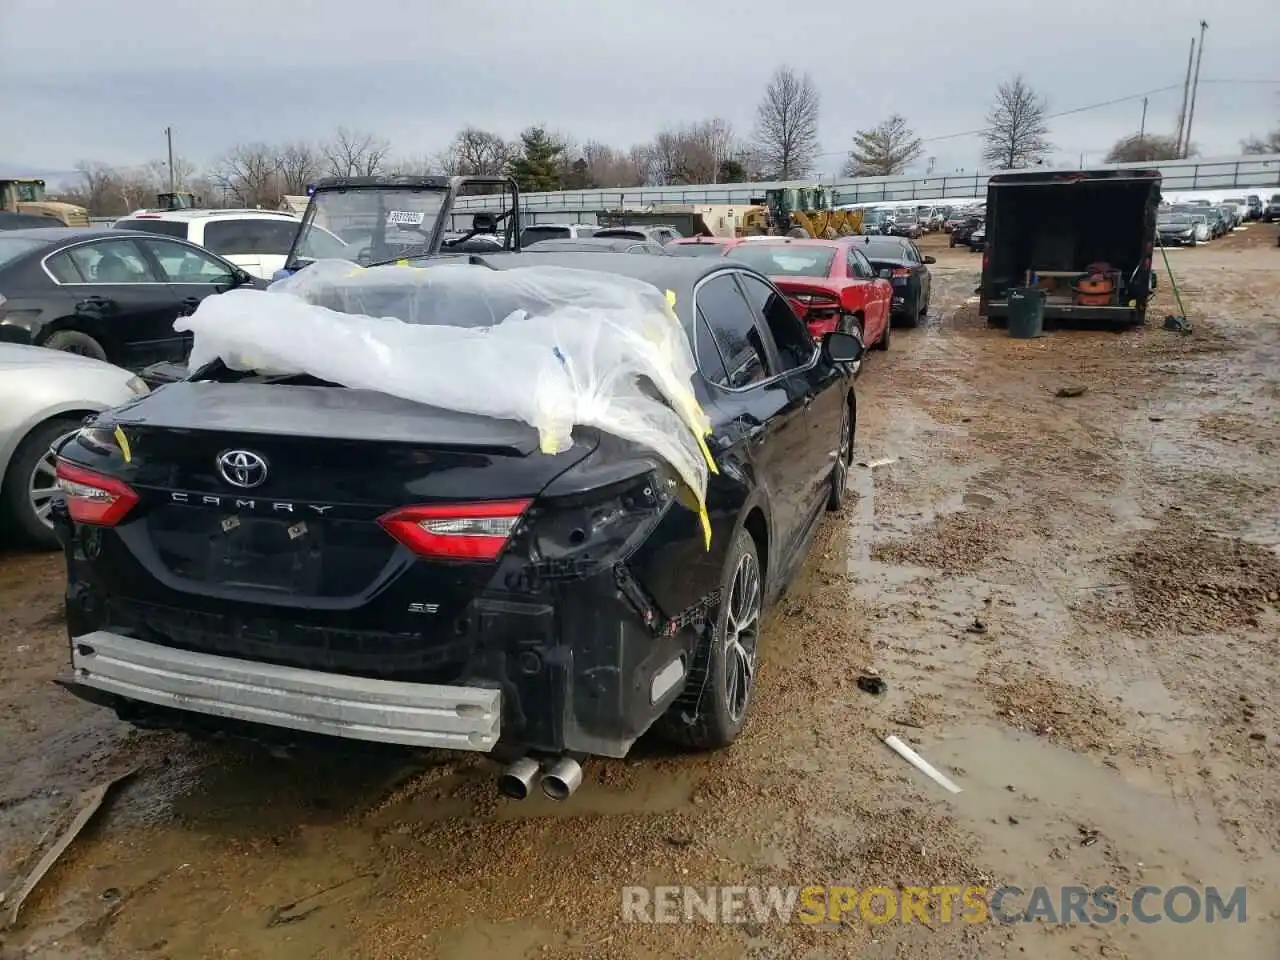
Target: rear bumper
[(357, 708), (999, 310)]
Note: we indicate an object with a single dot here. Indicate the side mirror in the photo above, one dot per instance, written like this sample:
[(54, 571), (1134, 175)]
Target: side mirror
[(885, 275), (930, 259), (242, 278), (843, 347)]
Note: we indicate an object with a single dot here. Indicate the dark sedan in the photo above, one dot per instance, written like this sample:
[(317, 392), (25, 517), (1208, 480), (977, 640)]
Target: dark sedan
[(901, 262), (452, 585), (961, 230), (108, 294)]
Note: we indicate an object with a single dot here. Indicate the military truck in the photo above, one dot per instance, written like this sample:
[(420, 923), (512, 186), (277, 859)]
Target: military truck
[(27, 195)]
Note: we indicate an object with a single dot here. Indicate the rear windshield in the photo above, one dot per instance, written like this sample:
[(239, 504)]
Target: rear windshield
[(533, 234), (168, 228), (11, 248), (622, 233), (785, 260), (884, 248), (707, 249)]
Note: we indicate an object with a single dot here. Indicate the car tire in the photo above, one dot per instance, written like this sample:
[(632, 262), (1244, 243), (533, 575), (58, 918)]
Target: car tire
[(849, 322), (76, 341), (840, 472), (911, 315), (724, 668), (32, 464)]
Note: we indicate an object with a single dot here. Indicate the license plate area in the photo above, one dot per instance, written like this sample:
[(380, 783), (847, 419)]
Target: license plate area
[(277, 554)]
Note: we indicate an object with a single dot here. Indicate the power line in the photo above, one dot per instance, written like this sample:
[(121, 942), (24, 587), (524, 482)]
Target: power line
[(1074, 110)]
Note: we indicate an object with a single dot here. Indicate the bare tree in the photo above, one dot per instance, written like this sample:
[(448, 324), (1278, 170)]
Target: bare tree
[(787, 125), (97, 190), (1142, 148), (249, 175), (1016, 134), (352, 153), (1268, 144), (476, 152), (610, 167), (883, 150), (300, 165), (423, 165)]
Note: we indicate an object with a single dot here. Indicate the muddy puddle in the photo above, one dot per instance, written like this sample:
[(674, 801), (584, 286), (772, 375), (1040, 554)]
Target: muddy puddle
[(1049, 588)]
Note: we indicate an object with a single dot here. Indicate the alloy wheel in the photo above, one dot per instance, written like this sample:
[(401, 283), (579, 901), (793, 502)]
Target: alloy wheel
[(42, 485), (741, 636)]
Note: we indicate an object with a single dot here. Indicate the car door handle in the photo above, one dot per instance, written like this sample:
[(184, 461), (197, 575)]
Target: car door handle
[(94, 303), (189, 304)]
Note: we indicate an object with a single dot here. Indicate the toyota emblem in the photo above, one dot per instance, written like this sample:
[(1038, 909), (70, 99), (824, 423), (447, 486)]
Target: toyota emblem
[(241, 468)]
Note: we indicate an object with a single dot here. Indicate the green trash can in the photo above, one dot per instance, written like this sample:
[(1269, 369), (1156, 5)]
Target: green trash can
[(1026, 313)]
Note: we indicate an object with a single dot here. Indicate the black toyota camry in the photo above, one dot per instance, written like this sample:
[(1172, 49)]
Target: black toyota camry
[(282, 556)]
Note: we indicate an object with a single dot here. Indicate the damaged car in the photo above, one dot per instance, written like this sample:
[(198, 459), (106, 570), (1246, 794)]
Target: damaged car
[(530, 506)]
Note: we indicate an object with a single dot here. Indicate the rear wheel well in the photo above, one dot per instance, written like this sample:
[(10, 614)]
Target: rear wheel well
[(759, 530), (78, 324)]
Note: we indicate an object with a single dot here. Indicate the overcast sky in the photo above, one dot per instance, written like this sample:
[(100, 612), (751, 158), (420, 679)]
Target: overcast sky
[(84, 79)]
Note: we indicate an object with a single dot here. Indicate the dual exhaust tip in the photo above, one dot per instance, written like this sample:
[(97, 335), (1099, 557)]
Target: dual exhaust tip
[(558, 780)]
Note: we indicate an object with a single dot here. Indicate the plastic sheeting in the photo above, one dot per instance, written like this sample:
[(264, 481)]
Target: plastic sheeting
[(553, 347)]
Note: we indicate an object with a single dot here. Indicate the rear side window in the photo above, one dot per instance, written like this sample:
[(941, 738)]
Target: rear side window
[(795, 345), (732, 324), (859, 266), (165, 228), (63, 269), (232, 237), (112, 261)]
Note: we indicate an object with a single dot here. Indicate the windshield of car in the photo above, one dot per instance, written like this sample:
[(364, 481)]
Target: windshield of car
[(785, 260), (706, 248), (1174, 219), (11, 248), (368, 224)]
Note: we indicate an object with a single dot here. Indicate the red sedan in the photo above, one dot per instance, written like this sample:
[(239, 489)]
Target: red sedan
[(830, 283)]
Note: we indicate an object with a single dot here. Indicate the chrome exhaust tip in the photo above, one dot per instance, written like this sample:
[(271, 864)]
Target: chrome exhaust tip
[(517, 780), (562, 778)]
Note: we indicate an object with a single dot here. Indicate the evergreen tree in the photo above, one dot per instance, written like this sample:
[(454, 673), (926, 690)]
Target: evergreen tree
[(537, 166)]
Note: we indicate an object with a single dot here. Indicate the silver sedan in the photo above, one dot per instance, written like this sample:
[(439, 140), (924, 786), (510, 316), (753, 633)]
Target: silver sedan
[(45, 396)]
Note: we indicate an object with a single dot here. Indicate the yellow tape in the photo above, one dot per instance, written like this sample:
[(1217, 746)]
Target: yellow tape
[(123, 441)]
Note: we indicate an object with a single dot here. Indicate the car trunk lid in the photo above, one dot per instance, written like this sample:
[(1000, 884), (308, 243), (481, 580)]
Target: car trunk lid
[(283, 490)]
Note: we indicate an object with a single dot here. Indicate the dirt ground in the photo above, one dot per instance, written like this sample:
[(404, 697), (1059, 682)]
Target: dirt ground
[(1072, 600)]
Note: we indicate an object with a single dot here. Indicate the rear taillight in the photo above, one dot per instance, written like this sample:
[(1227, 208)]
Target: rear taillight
[(456, 531), (901, 272), (94, 497)]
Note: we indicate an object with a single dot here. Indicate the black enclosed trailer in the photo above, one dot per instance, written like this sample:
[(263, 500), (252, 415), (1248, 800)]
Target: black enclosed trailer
[(1085, 237)]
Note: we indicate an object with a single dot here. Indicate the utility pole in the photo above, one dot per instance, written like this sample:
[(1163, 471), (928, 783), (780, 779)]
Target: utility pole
[(1195, 86), (173, 181), (1186, 90), (1142, 127)]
